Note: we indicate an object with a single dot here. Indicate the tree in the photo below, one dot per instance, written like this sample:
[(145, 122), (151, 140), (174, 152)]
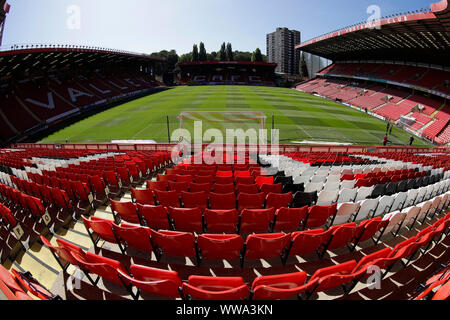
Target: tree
[(211, 56), (169, 64), (187, 57), (202, 56), (229, 51), (242, 56), (257, 56), (195, 56), (222, 53)]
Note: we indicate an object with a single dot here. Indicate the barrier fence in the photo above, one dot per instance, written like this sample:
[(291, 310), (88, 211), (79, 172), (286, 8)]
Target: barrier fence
[(281, 148)]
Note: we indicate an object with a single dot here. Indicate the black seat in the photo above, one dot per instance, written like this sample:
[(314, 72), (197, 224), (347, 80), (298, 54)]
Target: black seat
[(425, 181), (390, 189), (283, 180), (417, 183), (410, 184), (378, 191), (294, 188), (302, 199), (402, 186)]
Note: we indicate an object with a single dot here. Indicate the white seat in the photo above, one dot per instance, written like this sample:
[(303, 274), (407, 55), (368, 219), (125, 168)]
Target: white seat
[(302, 179), (399, 201), (413, 213), (367, 209), (311, 187), (334, 178), (347, 195), (331, 186), (318, 179), (327, 197), (345, 212), (421, 195), (384, 205), (411, 198), (363, 193), (348, 184)]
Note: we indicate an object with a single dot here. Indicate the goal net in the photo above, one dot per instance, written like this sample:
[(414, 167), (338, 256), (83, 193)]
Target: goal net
[(212, 122)]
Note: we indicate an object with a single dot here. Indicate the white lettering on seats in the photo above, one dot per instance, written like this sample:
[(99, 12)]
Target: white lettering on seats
[(74, 94), (50, 104)]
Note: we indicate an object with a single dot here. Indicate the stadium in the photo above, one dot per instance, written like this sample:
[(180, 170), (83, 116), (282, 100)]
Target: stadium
[(335, 188)]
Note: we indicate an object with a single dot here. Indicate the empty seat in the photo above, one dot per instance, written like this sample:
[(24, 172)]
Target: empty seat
[(290, 219), (302, 199), (346, 212), (174, 243), (308, 242), (318, 216), (277, 201), (131, 236), (195, 200), (155, 217), (223, 188), (186, 219), (257, 220), (251, 201), (264, 246), (168, 198), (221, 221), (144, 196), (222, 201), (347, 195), (219, 246), (124, 211), (327, 197), (216, 288), (276, 287)]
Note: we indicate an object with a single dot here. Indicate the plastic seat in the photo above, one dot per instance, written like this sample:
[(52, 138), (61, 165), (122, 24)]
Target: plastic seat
[(251, 201), (200, 187), (195, 200), (271, 188), (168, 198), (101, 229), (174, 243), (219, 246), (216, 288), (346, 212), (247, 188), (264, 246), (289, 219), (126, 211), (277, 287), (221, 221), (256, 220), (158, 282), (302, 199), (222, 201), (155, 217), (186, 219), (308, 242), (318, 216), (158, 185), (327, 197), (277, 201), (341, 236), (223, 188), (178, 187), (144, 196), (136, 237)]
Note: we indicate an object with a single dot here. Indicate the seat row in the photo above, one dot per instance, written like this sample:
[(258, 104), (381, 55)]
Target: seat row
[(168, 284)]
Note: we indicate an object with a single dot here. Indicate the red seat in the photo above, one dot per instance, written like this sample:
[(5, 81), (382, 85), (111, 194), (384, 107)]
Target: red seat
[(103, 267), (102, 229), (195, 200), (247, 188), (242, 174), (278, 287), (157, 185), (208, 179), (178, 186), (168, 198), (159, 282), (166, 177), (62, 252), (224, 174), (290, 219), (186, 219), (144, 196), (245, 180), (308, 242), (221, 221), (174, 243), (256, 220), (319, 215), (341, 235), (136, 237), (155, 217), (10, 287), (367, 229), (124, 211), (262, 180), (278, 200), (186, 179), (251, 201), (222, 201), (200, 187), (224, 180), (216, 288), (332, 277), (219, 246), (223, 188), (262, 246), (272, 188)]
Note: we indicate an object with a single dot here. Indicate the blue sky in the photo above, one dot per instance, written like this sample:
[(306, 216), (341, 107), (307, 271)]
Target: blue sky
[(148, 25)]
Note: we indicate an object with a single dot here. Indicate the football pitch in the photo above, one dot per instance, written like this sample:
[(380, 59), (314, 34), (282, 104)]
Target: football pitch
[(299, 117)]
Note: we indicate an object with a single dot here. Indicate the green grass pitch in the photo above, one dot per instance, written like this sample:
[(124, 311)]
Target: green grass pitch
[(298, 116)]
